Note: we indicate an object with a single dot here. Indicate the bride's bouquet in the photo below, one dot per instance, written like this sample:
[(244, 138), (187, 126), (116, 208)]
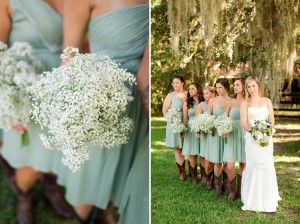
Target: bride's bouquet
[(261, 131), (83, 101), (174, 118), (224, 125), (19, 70)]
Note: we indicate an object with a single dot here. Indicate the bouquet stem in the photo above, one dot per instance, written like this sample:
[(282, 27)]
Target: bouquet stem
[(25, 139), (225, 140)]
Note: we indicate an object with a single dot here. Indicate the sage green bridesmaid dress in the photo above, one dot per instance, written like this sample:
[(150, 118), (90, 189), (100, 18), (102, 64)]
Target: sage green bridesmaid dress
[(234, 150), (36, 23), (119, 174), (203, 137), (191, 145), (172, 139), (215, 143)]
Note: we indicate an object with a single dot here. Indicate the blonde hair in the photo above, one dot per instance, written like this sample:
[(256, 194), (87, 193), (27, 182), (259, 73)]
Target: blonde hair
[(210, 89), (248, 80)]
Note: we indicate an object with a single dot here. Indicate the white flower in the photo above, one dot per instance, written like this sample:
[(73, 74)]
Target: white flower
[(174, 118), (17, 73), (83, 101)]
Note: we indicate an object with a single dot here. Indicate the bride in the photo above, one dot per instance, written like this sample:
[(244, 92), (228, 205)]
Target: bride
[(259, 191)]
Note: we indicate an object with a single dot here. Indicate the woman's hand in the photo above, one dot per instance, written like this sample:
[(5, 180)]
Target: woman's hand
[(19, 128), (198, 135)]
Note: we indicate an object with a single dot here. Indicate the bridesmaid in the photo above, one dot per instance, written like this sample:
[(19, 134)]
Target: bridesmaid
[(234, 150), (191, 146), (208, 93), (38, 23), (119, 29), (214, 153), (175, 100)]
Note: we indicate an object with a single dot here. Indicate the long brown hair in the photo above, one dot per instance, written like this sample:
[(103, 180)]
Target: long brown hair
[(190, 100), (248, 80), (243, 85)]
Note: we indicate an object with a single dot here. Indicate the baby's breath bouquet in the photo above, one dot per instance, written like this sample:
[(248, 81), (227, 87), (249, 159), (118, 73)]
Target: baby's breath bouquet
[(261, 131), (205, 123), (174, 118), (83, 101), (224, 125), (19, 70)]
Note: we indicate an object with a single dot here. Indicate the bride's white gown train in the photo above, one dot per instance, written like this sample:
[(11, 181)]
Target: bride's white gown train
[(259, 191)]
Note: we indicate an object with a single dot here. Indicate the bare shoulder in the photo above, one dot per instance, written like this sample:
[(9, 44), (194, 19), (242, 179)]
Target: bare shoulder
[(244, 104)]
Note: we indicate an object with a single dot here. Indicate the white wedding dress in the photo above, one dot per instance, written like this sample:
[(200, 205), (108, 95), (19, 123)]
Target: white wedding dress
[(259, 190)]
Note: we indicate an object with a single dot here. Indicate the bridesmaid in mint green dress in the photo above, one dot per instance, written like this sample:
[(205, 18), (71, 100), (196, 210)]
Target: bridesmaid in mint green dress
[(174, 100), (39, 24), (214, 153), (191, 145), (208, 93), (121, 31), (234, 150)]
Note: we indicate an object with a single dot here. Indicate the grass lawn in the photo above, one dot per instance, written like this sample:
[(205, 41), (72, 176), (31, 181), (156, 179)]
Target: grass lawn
[(174, 201)]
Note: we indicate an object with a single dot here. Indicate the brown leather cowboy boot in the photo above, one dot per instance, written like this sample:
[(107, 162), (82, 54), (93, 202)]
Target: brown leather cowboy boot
[(181, 169), (218, 184), (203, 174), (232, 190), (209, 181), (53, 194), (225, 182), (24, 207), (7, 169), (239, 182), (190, 169), (194, 175)]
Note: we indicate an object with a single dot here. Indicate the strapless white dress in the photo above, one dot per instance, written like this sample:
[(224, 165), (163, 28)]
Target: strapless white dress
[(259, 190)]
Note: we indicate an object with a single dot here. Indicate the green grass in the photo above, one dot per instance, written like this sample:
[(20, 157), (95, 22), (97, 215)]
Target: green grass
[(174, 201), (43, 212)]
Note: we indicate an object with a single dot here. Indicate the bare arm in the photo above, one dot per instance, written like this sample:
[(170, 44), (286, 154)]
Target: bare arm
[(143, 80), (244, 116), (166, 105), (5, 18), (76, 17), (199, 110), (210, 106), (185, 113), (271, 111)]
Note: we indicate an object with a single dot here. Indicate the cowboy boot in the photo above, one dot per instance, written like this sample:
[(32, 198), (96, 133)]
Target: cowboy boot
[(7, 169), (225, 182), (24, 207), (218, 184), (194, 175), (53, 194), (232, 190), (239, 182), (209, 181), (181, 169), (203, 174), (190, 169), (105, 217)]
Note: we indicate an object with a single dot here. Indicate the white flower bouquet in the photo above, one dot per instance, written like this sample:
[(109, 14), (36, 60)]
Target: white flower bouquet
[(174, 118), (261, 131), (83, 102), (19, 70), (224, 125), (205, 122)]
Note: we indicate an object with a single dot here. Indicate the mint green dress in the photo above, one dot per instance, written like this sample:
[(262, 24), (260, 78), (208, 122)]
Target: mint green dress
[(120, 174), (215, 144), (36, 23), (234, 150), (191, 145), (172, 139), (203, 137)]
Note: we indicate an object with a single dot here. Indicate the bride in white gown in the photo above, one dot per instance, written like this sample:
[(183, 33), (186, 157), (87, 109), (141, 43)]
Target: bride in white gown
[(259, 191)]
